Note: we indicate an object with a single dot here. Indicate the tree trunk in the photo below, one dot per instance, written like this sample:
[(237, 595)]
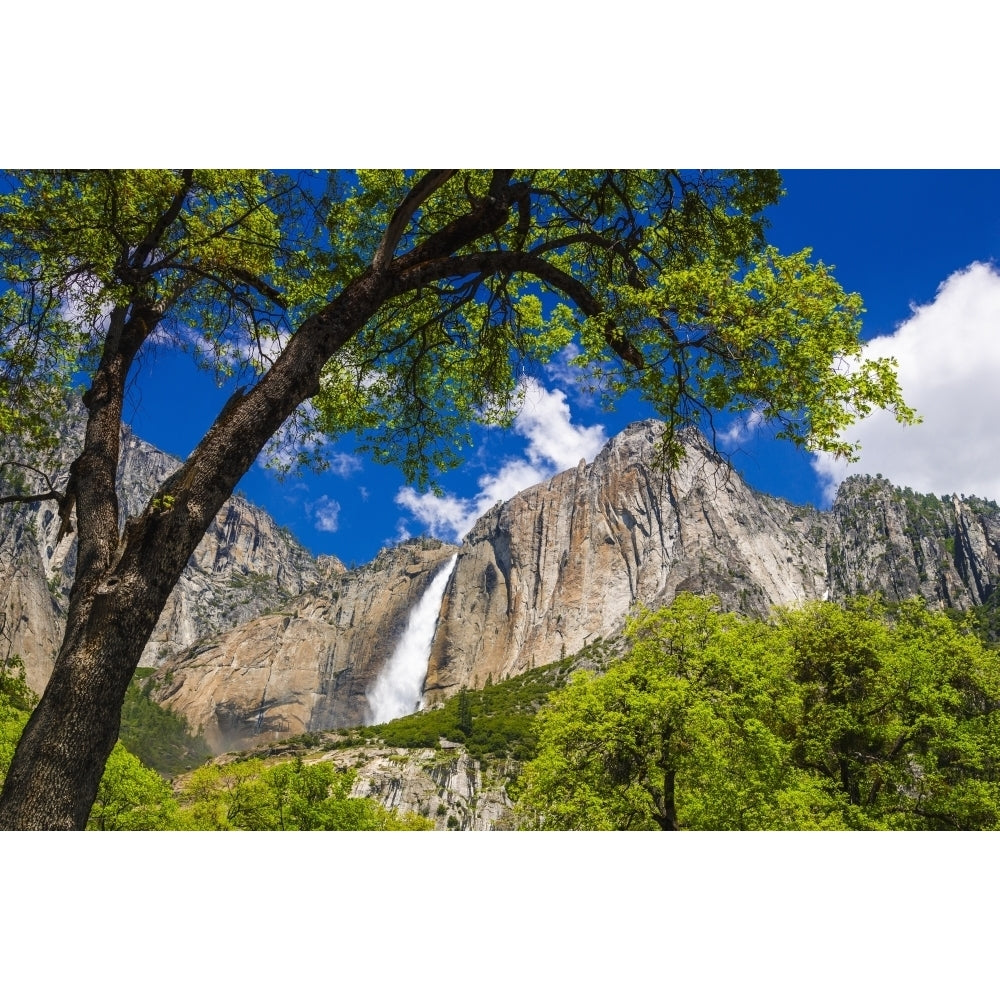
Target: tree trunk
[(667, 816), (122, 584), (117, 599), (54, 777), (848, 778), (665, 799)]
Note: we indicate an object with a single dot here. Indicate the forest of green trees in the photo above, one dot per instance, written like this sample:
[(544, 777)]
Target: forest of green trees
[(865, 717), (239, 795)]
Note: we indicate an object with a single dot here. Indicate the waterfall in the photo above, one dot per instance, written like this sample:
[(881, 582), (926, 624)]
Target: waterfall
[(400, 683)]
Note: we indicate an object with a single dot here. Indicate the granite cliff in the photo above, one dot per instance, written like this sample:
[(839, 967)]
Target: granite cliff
[(262, 641), (564, 562), (306, 667), (246, 564)]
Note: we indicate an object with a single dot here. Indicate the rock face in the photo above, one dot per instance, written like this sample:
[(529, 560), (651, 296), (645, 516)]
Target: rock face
[(903, 544), (31, 623), (260, 640), (451, 788), (243, 566), (306, 667), (564, 562)]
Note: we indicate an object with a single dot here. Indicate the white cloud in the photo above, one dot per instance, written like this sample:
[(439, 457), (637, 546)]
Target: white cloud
[(343, 463), (949, 370), (546, 422), (831, 472), (444, 517), (327, 513), (554, 444), (742, 430)]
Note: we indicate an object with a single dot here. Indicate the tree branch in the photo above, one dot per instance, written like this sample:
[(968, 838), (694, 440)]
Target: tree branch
[(261, 286), (487, 216), (161, 225), (416, 196), (50, 494), (496, 262), (241, 275)]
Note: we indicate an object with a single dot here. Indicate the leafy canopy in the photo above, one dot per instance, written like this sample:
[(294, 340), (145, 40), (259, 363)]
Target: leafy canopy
[(242, 795), (16, 702), (824, 718), (663, 280), (132, 796), (77, 246)]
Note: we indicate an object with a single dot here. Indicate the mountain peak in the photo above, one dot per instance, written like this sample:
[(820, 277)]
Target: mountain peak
[(259, 639)]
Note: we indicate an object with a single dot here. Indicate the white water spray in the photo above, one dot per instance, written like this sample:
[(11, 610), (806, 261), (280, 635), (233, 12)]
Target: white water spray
[(398, 688)]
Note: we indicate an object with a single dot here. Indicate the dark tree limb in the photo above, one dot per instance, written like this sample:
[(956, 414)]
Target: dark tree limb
[(163, 223), (508, 262), (417, 195), (50, 493)]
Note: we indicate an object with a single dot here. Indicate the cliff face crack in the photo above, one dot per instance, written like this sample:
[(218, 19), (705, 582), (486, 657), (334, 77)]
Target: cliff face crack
[(502, 558), (675, 507)]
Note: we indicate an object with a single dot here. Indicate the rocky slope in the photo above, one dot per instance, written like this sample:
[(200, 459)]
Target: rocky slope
[(31, 603), (306, 667), (243, 566), (903, 544), (448, 786), (260, 640)]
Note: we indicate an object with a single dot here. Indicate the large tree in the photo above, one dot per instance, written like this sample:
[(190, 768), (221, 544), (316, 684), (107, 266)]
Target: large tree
[(824, 718), (690, 730), (399, 305)]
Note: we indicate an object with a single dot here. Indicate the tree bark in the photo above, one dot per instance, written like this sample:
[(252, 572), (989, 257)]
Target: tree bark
[(666, 799)]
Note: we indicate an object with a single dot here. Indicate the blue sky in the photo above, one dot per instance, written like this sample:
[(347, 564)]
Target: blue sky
[(785, 83), (917, 245)]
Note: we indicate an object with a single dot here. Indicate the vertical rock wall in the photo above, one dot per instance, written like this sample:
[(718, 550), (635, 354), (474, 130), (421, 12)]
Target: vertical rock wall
[(243, 566), (260, 639), (564, 562)]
